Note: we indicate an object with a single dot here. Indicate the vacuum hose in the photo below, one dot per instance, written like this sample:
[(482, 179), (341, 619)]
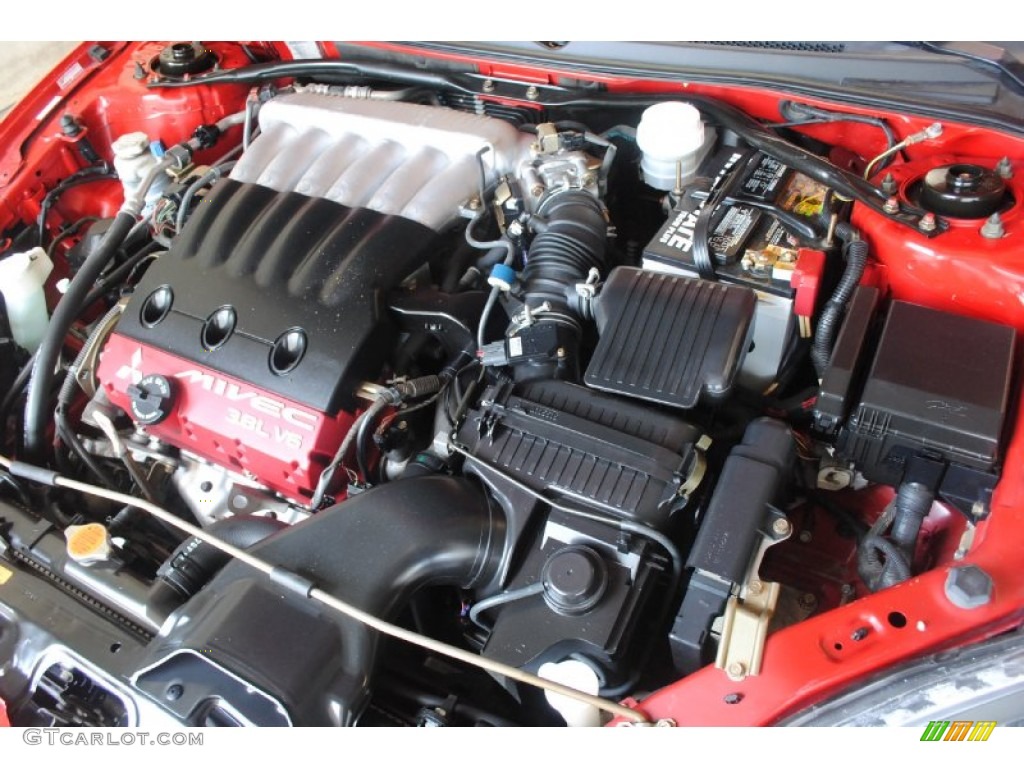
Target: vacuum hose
[(44, 364)]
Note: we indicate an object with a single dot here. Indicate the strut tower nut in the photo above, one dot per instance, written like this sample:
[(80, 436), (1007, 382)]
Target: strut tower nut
[(967, 586)]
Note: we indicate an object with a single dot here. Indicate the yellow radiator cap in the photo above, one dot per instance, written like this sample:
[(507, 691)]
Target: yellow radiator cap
[(88, 543)]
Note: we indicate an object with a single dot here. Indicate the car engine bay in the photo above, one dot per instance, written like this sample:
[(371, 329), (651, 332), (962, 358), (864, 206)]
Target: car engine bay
[(606, 384)]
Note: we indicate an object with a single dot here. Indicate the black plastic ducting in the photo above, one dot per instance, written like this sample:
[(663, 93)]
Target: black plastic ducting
[(195, 562), (373, 551)]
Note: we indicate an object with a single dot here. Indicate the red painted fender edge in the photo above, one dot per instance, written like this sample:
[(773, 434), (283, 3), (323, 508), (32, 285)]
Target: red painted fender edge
[(4, 722)]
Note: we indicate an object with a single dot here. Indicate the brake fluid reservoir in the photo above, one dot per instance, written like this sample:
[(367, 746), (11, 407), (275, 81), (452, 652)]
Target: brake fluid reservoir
[(132, 161), (22, 276), (673, 140)]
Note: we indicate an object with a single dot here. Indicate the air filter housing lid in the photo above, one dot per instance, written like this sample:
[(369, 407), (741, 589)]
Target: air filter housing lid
[(670, 339)]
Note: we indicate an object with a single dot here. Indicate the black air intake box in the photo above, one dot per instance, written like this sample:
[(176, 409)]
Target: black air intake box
[(670, 339), (579, 446)]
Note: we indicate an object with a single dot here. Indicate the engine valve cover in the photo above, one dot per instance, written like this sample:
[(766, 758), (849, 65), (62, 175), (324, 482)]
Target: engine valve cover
[(283, 443), (263, 317)]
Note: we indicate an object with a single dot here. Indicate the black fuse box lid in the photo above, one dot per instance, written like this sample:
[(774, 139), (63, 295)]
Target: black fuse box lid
[(939, 385)]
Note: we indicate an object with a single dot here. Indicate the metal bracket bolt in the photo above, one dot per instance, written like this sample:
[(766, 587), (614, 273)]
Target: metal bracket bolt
[(993, 227), (968, 586)]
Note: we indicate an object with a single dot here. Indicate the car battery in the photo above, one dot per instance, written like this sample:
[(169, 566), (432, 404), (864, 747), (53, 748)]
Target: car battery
[(748, 245)]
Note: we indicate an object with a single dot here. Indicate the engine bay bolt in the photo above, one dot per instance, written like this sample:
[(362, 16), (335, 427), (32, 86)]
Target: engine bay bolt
[(69, 126), (732, 698), (968, 586), (174, 692), (532, 92), (859, 634), (892, 205), (737, 670), (927, 223), (993, 227), (755, 587), (808, 600), (889, 184), (488, 86), (665, 722), (140, 71), (474, 203), (1005, 168), (805, 537), (781, 527), (537, 190)]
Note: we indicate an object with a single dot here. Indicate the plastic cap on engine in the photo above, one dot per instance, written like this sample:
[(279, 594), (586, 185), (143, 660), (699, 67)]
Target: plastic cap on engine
[(130, 145), (502, 277), (152, 399), (671, 137), (581, 676), (574, 580), (88, 543)]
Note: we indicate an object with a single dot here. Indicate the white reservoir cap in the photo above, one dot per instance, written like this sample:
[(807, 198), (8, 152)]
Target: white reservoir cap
[(22, 276), (581, 676), (671, 137), (130, 145), (133, 160)]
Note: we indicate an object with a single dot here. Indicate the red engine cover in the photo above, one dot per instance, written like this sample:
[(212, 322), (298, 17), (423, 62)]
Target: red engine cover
[(282, 444)]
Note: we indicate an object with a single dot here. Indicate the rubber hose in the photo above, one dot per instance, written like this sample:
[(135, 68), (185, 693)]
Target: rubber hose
[(195, 562), (856, 252), (573, 241), (44, 364)]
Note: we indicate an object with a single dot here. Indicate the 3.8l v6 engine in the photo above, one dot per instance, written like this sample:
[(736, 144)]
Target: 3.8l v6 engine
[(246, 342)]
